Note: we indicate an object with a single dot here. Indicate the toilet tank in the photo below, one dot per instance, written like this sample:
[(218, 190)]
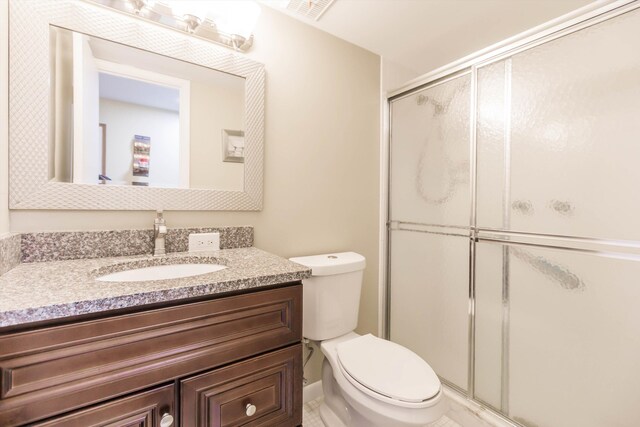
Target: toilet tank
[(332, 295)]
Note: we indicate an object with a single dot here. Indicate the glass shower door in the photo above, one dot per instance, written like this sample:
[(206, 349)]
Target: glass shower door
[(573, 341), (429, 237), (535, 316), (557, 135), (558, 216)]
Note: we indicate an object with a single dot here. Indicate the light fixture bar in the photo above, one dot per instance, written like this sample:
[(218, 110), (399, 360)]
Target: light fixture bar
[(162, 14)]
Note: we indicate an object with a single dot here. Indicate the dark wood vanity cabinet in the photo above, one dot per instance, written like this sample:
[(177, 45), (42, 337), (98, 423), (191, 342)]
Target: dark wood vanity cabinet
[(145, 409), (259, 391), (229, 361)]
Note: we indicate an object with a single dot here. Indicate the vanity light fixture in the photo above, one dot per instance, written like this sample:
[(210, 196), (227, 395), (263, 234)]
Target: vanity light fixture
[(136, 6), (226, 22)]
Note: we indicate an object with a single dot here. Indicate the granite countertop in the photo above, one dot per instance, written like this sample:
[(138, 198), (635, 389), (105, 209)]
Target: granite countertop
[(33, 292)]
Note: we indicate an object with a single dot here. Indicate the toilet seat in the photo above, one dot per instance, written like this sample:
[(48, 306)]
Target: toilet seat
[(387, 371)]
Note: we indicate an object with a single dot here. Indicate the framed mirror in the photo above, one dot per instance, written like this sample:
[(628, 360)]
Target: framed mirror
[(109, 112)]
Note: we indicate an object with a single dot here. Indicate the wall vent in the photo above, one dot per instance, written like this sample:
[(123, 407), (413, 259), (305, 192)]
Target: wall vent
[(310, 9)]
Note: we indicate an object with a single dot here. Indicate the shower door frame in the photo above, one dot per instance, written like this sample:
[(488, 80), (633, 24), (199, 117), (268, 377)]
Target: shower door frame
[(580, 19)]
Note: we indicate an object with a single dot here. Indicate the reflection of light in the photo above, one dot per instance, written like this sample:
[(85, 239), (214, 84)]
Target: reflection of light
[(492, 112), (227, 22), (134, 6), (235, 17), (555, 136), (183, 8), (149, 9)]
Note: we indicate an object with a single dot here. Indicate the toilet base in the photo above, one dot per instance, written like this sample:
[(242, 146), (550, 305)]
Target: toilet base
[(329, 418)]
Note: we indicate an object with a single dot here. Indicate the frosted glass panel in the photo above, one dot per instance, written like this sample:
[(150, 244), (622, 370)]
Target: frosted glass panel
[(430, 155), (488, 325), (571, 123), (493, 102), (430, 300), (574, 341), (556, 331)]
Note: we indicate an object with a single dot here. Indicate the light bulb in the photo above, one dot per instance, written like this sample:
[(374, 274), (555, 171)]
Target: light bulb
[(237, 17), (197, 8), (232, 17)]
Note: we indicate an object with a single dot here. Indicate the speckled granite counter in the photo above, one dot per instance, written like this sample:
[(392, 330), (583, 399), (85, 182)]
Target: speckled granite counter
[(34, 292)]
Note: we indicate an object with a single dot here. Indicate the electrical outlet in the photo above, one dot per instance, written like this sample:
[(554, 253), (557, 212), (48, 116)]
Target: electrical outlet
[(199, 242)]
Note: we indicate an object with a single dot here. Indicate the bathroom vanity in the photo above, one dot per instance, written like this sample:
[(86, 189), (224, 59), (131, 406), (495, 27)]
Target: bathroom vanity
[(219, 349), (215, 349)]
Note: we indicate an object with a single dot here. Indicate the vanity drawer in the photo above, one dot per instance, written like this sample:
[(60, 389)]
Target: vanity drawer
[(143, 409), (226, 397), (53, 370)]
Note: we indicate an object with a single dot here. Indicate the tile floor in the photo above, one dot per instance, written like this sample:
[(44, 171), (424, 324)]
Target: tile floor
[(311, 416)]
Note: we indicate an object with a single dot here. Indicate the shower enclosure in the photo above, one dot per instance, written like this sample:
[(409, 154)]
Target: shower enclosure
[(514, 225)]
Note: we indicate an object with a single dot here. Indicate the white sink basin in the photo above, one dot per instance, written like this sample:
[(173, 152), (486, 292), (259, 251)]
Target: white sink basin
[(160, 272)]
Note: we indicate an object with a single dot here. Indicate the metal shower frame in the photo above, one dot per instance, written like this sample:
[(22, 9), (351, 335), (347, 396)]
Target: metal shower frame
[(581, 19)]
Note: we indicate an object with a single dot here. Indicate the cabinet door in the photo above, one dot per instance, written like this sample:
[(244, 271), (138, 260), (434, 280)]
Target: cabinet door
[(140, 410), (263, 391), (53, 370)]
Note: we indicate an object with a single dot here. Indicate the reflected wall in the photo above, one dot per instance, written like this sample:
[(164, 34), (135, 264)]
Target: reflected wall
[(168, 127)]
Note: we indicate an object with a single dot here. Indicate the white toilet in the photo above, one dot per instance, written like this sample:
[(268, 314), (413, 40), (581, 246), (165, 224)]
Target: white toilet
[(367, 381)]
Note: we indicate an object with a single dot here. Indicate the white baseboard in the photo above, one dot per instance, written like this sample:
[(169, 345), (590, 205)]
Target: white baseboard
[(470, 414), (311, 391)]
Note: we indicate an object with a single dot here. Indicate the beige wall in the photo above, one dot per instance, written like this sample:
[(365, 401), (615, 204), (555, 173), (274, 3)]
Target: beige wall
[(208, 119), (123, 120), (321, 156), (394, 75)]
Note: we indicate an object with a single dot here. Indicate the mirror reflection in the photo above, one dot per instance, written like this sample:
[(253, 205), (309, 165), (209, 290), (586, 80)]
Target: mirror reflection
[(125, 116)]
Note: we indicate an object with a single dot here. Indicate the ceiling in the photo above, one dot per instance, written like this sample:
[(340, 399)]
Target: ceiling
[(421, 35)]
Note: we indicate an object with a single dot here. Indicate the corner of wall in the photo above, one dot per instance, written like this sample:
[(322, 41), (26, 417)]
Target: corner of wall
[(394, 75)]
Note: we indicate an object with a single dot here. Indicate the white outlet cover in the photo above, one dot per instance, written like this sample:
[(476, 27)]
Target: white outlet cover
[(201, 242)]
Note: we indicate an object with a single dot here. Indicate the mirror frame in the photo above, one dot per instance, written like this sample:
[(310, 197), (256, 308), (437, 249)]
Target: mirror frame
[(29, 103)]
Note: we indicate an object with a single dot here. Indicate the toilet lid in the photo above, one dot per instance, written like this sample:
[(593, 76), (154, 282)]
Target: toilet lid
[(388, 368)]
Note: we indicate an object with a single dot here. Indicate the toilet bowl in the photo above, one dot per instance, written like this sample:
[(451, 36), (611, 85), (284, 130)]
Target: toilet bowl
[(366, 381), (380, 386)]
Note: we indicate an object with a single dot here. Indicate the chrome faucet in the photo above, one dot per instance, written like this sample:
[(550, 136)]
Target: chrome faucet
[(159, 233)]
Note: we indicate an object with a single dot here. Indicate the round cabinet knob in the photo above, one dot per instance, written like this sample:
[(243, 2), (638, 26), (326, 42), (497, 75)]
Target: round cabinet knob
[(251, 409), (166, 420)]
